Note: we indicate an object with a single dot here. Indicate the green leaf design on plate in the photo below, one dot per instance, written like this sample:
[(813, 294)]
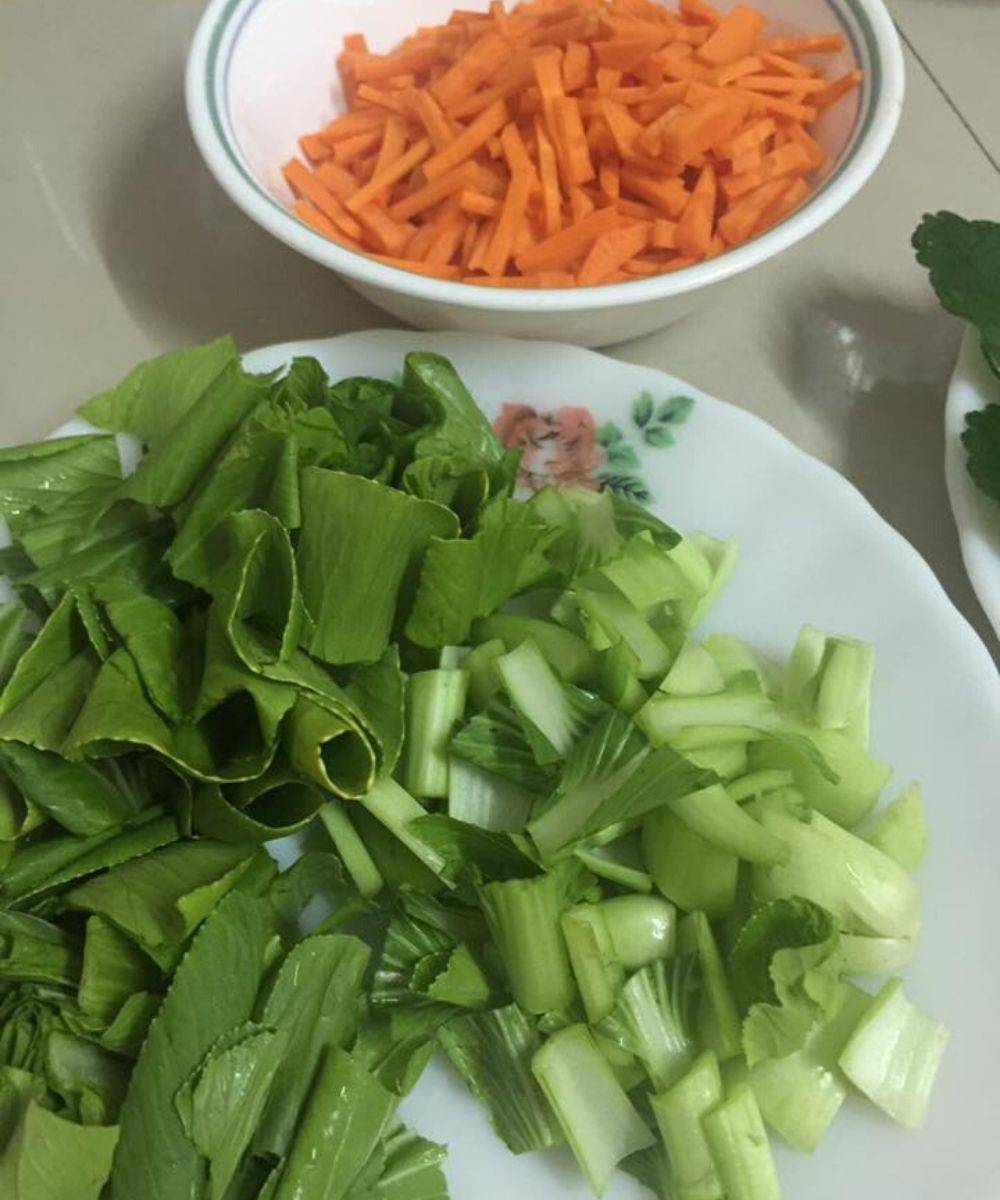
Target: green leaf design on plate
[(658, 436), (625, 484), (676, 410), (608, 434), (642, 409), (622, 456)]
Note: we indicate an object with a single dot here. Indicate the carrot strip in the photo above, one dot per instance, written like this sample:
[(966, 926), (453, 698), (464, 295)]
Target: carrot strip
[(336, 179), (573, 141), (667, 195), (840, 87), (353, 148), (475, 66), (696, 131), (734, 37), (439, 128), (478, 203), (624, 129), (664, 234), (607, 78), (790, 159), (695, 227), (699, 10), (362, 121), (322, 224), (580, 204), (678, 62), (356, 41), (383, 179), (611, 251), (306, 186), (442, 249), (782, 83), (736, 70), (762, 102), (392, 146), (468, 141), (565, 247), (786, 66), (433, 192), (576, 66), (794, 195), (738, 222), (795, 132), (314, 147), (390, 236), (376, 68), (549, 174), (482, 243), (609, 178), (511, 214), (751, 138), (392, 102), (749, 160), (792, 47), (623, 54), (421, 268)]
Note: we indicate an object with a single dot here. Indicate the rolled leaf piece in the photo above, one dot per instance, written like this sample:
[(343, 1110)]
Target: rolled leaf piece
[(325, 744), (276, 804)]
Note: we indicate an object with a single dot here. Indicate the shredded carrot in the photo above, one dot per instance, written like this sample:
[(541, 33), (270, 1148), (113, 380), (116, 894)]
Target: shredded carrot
[(611, 251), (560, 143), (696, 224), (734, 37)]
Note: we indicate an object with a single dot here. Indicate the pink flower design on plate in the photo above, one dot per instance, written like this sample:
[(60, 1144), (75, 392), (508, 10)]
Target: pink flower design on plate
[(558, 447)]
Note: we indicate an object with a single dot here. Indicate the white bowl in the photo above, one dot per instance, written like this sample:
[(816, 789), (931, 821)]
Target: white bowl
[(261, 73)]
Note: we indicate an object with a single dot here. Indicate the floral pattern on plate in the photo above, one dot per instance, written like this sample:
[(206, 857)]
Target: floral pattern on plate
[(567, 448)]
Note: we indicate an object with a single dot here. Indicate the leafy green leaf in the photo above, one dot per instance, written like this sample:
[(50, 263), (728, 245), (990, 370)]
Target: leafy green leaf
[(411, 1170), (214, 989), (41, 476), (49, 1156), (771, 927), (463, 847), (222, 1102), (80, 797), (493, 1051), (981, 439), (494, 740), (360, 545), (314, 1001), (113, 970)]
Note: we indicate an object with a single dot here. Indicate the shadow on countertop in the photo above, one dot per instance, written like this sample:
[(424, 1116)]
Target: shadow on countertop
[(876, 375), (189, 264)]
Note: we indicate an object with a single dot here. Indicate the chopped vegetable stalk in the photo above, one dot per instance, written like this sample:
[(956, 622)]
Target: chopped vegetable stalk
[(863, 888), (829, 681), (720, 820), (434, 705), (835, 776), (685, 867), (359, 863), (664, 716), (694, 673), (610, 618), (539, 697), (894, 1054), (493, 1052), (598, 970), (801, 1093), (858, 955), (759, 782), (740, 1150), (900, 830), (480, 665), (620, 862), (618, 679), (721, 558), (523, 916), (718, 1018), (395, 808), (734, 659), (599, 1121), (679, 1113), (487, 800), (642, 929), (727, 762), (652, 1018), (568, 655)]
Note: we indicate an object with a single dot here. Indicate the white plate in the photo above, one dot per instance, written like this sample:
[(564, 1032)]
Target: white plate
[(973, 386), (813, 550)]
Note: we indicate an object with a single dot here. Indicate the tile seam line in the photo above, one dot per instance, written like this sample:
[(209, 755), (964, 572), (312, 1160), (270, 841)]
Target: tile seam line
[(966, 124)]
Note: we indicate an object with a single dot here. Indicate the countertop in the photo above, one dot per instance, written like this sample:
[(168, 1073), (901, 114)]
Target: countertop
[(117, 244)]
